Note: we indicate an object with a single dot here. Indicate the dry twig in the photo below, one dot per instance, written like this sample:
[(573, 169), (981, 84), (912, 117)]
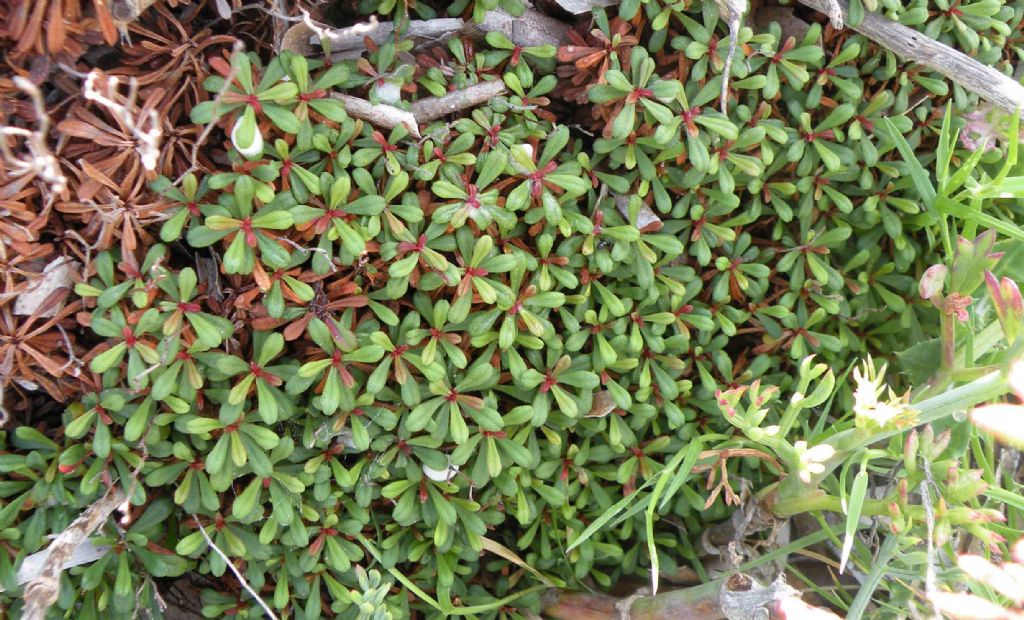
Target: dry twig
[(40, 160), (986, 82), (41, 592), (732, 11), (433, 108), (146, 131), (238, 574), (530, 29), (380, 115), (304, 38)]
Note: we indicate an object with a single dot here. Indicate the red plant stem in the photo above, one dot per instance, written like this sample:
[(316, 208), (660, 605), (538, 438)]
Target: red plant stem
[(947, 323)]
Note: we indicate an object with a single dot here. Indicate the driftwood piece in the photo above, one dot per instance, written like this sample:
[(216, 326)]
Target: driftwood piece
[(529, 30), (379, 115), (738, 597), (998, 89), (986, 82), (84, 553), (732, 11), (697, 603), (302, 39), (579, 7), (41, 592), (424, 110), (433, 108)]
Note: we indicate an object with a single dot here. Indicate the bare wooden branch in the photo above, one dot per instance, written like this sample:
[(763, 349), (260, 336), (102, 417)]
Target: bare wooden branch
[(997, 88), (738, 597), (424, 110), (304, 39), (39, 160), (835, 14), (84, 553), (41, 592), (530, 30), (732, 11), (986, 82), (379, 115), (579, 7), (432, 108)]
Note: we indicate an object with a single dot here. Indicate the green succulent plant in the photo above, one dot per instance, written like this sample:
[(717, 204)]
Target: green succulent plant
[(431, 377)]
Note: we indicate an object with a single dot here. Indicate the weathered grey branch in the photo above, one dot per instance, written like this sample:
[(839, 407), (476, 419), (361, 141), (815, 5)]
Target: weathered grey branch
[(302, 39), (41, 592), (579, 7), (432, 108), (424, 110), (986, 82), (738, 597), (379, 115), (529, 30), (697, 603)]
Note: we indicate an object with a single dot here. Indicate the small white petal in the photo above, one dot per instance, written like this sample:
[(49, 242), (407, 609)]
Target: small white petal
[(251, 150), (440, 475)]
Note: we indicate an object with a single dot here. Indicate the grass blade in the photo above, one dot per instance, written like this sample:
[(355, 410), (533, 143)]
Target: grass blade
[(922, 183), (853, 510), (689, 455), (867, 589), (956, 209), (944, 152), (607, 516), (501, 550)]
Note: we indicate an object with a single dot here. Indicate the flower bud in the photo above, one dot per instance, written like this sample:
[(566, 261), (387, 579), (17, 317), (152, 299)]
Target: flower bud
[(943, 532), (968, 485), (910, 446), (938, 446), (932, 282), (1008, 304), (253, 147)]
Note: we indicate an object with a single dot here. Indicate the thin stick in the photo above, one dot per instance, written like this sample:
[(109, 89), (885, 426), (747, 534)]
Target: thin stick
[(237, 48), (107, 95), (986, 82), (238, 574), (732, 11), (40, 160)]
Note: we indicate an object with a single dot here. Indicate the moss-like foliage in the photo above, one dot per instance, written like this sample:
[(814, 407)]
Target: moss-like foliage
[(353, 347)]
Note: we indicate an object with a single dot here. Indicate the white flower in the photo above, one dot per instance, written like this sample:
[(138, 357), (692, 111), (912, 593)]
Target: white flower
[(389, 93), (869, 387), (441, 475), (255, 148), (812, 459)]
